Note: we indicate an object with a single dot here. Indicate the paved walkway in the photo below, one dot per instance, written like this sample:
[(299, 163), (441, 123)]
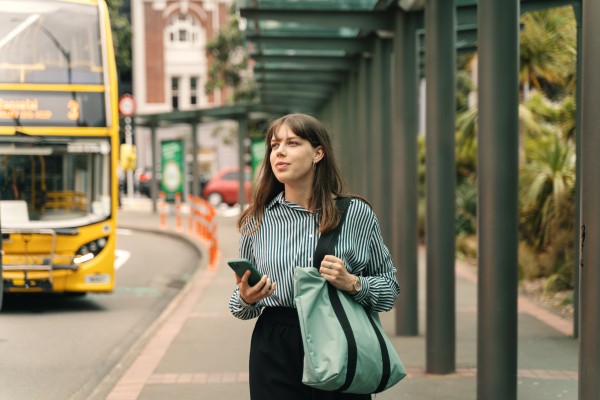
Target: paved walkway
[(197, 350)]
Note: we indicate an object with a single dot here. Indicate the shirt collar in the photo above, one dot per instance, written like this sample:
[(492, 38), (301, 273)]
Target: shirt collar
[(280, 200)]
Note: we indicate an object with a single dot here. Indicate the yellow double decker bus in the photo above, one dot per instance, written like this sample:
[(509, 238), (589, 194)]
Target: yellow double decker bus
[(58, 146)]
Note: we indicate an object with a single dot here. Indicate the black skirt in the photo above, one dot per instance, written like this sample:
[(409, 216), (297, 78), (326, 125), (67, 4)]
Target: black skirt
[(276, 360)]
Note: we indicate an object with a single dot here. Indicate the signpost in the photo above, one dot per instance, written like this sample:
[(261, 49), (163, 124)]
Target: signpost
[(127, 110)]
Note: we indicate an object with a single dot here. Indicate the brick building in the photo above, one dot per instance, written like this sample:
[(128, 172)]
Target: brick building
[(170, 66), (170, 71)]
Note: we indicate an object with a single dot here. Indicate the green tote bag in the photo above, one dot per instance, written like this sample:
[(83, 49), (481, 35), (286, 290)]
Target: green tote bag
[(345, 347)]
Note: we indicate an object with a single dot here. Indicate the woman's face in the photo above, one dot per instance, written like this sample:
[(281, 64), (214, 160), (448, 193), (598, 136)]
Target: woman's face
[(292, 157)]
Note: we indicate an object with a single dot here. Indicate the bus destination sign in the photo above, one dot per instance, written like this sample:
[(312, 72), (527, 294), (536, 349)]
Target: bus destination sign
[(52, 108)]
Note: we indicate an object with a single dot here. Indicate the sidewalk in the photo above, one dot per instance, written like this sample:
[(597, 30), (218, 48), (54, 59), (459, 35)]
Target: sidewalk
[(197, 350)]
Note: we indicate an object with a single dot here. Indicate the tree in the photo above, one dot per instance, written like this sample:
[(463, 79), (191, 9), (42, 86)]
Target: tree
[(547, 182), (548, 48), (229, 67), (121, 32)]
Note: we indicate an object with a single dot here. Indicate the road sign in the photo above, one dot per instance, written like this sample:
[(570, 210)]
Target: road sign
[(127, 105)]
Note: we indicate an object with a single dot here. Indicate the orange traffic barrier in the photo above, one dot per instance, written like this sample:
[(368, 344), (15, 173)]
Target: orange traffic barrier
[(191, 216), (162, 209), (200, 225), (178, 224), (214, 254)]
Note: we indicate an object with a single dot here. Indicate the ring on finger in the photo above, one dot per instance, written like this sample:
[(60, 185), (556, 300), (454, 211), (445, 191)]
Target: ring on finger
[(330, 264)]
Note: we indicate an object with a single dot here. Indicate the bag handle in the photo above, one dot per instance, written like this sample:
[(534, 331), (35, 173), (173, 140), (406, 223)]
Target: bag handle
[(328, 240)]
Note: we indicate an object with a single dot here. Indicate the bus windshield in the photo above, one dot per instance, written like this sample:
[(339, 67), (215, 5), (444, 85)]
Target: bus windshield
[(54, 181), (37, 46)]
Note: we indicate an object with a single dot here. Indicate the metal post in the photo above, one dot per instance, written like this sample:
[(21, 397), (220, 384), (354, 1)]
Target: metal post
[(589, 350), (374, 189), (154, 181), (498, 160), (129, 142), (441, 182), (242, 136), (576, 280), (341, 128), (363, 124), (352, 137), (404, 171), (195, 174), (385, 174)]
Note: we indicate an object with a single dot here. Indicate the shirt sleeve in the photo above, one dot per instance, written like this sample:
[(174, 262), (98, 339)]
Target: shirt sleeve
[(238, 307), (380, 287)]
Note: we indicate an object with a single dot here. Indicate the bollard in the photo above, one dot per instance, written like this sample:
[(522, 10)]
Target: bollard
[(162, 211), (200, 224), (212, 236), (213, 254), (178, 224), (205, 232), (192, 214)]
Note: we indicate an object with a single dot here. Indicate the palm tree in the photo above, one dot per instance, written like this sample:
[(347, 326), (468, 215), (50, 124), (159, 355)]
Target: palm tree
[(547, 183), (548, 49)]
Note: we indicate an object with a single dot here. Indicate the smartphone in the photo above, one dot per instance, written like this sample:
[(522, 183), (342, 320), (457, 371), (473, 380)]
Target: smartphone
[(241, 265)]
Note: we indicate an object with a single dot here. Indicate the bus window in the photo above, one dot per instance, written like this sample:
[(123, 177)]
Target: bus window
[(39, 47), (65, 179)]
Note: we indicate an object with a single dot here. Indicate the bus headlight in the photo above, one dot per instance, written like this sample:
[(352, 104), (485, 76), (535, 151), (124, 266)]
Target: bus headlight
[(89, 250)]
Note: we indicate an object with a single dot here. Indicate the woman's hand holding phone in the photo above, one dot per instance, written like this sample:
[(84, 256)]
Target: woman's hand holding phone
[(251, 294)]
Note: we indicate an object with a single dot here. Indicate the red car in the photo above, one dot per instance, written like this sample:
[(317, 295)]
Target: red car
[(224, 186)]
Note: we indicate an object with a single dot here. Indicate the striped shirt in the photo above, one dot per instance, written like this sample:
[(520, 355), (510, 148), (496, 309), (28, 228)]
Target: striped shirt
[(287, 238)]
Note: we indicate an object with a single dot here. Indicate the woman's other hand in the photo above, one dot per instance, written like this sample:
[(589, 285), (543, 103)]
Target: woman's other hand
[(251, 294), (334, 271)]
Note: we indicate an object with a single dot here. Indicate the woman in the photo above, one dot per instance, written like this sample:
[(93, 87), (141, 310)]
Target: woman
[(293, 203)]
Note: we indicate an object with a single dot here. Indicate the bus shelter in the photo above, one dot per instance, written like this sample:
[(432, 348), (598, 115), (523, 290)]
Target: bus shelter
[(357, 65)]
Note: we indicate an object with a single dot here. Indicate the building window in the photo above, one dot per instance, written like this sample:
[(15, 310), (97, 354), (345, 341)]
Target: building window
[(175, 93), (183, 29), (193, 90)]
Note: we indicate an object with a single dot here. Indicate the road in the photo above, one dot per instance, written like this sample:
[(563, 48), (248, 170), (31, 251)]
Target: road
[(56, 347)]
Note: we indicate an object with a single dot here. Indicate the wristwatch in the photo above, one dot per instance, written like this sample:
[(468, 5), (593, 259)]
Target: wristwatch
[(356, 286)]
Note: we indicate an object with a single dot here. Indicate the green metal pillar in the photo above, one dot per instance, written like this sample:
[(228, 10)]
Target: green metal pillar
[(578, 18), (363, 124), (341, 130), (440, 71), (374, 191), (589, 350), (498, 161), (385, 168), (352, 132), (404, 186)]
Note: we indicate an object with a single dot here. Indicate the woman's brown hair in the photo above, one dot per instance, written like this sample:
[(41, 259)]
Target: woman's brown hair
[(327, 183)]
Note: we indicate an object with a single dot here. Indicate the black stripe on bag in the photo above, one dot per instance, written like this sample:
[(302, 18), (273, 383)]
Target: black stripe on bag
[(336, 304), (325, 244), (385, 356)]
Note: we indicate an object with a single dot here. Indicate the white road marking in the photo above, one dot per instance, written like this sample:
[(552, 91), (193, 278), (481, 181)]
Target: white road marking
[(121, 257), (125, 232)]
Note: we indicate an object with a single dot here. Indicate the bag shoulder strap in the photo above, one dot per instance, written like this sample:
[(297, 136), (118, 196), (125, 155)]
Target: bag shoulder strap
[(328, 240)]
